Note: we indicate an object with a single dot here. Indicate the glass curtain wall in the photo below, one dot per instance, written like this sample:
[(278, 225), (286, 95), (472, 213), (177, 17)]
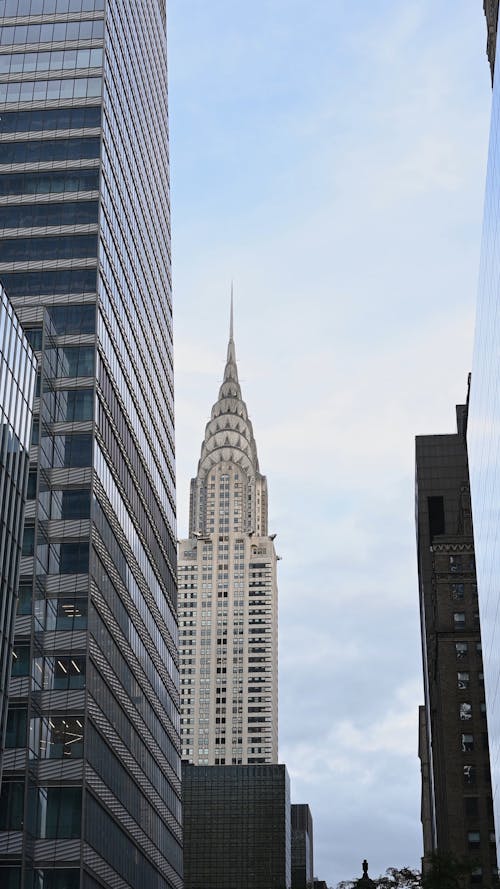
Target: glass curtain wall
[(17, 384), (85, 254)]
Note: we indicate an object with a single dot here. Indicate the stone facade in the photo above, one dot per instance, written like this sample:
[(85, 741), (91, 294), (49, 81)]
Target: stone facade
[(228, 598)]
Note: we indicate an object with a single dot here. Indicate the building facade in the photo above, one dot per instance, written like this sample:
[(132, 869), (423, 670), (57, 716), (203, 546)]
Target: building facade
[(17, 388), (483, 432), (491, 13), (236, 827), (457, 809), (302, 847), (228, 596), (91, 790)]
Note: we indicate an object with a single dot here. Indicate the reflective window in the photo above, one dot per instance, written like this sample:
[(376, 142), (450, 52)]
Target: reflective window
[(39, 7), (75, 404), (34, 337), (50, 60), (66, 614), (49, 182), (20, 660), (59, 812), (32, 480), (78, 450), (69, 672), (28, 540), (24, 597), (73, 318), (11, 805), (50, 33), (37, 215), (60, 247), (35, 432), (74, 558), (46, 90), (61, 672), (56, 281), (59, 878), (17, 720), (38, 150), (50, 118), (75, 361), (57, 737), (75, 504)]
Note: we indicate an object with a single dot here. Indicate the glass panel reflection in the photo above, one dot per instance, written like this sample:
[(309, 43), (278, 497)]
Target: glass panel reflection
[(57, 737)]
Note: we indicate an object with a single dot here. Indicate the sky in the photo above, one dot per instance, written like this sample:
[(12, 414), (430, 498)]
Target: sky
[(329, 157)]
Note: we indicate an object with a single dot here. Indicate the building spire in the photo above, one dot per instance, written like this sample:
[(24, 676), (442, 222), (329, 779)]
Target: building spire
[(231, 315), (231, 353)]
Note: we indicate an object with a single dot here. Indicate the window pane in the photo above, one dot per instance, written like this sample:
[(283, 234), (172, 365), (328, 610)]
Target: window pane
[(59, 812), (60, 878), (50, 182), (78, 450), (35, 432), (75, 505), (470, 774), (11, 805), (76, 361), (34, 337), (16, 727), (40, 215), (59, 281), (77, 404), (10, 877), (40, 150), (66, 614), (58, 737), (53, 247), (73, 319), (64, 672), (24, 598), (28, 540), (463, 679), (74, 558), (32, 480), (20, 660)]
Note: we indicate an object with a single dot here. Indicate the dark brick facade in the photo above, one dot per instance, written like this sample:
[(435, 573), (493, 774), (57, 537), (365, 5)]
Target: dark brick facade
[(457, 812)]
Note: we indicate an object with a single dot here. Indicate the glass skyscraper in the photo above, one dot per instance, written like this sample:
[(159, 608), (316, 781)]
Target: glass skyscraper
[(484, 432), (17, 386), (91, 792)]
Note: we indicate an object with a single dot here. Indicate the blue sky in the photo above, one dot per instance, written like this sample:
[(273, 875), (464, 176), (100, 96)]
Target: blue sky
[(329, 157)]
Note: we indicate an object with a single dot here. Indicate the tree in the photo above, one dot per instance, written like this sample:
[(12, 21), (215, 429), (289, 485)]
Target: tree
[(442, 872)]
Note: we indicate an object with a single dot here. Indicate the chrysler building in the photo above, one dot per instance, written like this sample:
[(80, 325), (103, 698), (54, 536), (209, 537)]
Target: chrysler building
[(228, 597)]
